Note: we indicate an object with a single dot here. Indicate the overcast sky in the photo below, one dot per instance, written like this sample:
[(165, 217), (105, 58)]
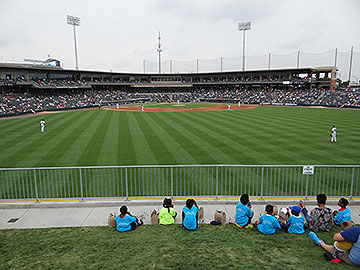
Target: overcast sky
[(118, 35)]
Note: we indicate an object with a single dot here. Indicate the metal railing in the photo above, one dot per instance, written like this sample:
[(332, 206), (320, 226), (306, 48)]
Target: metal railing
[(178, 181)]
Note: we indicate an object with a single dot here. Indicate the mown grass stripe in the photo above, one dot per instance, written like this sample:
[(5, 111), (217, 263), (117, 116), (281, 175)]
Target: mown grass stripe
[(109, 152), (94, 137), (126, 148), (142, 150)]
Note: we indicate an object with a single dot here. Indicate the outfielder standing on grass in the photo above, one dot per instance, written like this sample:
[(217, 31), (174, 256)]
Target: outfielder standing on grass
[(42, 125), (333, 134)]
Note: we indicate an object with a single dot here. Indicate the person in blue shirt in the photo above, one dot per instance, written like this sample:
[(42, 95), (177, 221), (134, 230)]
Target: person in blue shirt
[(267, 224), (351, 235), (190, 215), (295, 222), (126, 221), (343, 214), (243, 214)]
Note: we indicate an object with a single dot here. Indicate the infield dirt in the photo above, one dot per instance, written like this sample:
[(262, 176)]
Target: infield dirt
[(221, 107)]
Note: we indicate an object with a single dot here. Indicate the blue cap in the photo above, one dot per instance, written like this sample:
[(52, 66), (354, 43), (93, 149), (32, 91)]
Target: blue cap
[(295, 208)]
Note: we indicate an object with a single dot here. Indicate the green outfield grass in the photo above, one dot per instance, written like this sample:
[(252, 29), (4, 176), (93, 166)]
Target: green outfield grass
[(161, 247), (262, 135)]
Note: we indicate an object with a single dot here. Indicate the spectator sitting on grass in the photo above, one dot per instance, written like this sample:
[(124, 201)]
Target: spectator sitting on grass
[(167, 214), (339, 251), (244, 213), (295, 223), (126, 221), (343, 214), (191, 214), (321, 217), (344, 246), (267, 224)]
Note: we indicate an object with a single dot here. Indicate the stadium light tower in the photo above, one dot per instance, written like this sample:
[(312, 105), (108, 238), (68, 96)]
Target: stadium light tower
[(159, 51), (243, 27), (74, 21)]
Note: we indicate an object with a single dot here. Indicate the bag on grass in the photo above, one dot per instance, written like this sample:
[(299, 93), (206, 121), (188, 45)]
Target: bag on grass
[(111, 220), (220, 216), (154, 217)]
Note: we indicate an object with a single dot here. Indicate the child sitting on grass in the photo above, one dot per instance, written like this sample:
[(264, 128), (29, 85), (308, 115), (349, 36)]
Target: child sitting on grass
[(167, 214), (343, 214), (126, 221), (244, 213), (267, 224), (190, 215), (295, 222)]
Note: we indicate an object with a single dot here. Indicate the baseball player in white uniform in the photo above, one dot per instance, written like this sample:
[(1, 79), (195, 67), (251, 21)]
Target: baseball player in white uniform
[(42, 125), (333, 134)]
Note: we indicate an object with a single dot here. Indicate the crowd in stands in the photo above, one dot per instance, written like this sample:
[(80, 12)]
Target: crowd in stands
[(60, 83), (12, 103), (17, 103), (68, 81)]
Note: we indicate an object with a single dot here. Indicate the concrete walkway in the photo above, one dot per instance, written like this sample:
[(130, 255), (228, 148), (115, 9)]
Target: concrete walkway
[(78, 214)]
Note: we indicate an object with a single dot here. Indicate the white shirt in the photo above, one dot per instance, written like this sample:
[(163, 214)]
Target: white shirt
[(333, 130), (42, 123)]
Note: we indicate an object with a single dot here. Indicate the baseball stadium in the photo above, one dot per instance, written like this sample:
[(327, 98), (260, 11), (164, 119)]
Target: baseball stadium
[(120, 137), (182, 165)]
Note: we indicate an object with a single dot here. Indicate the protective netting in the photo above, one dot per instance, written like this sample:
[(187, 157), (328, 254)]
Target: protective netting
[(262, 62), (268, 61)]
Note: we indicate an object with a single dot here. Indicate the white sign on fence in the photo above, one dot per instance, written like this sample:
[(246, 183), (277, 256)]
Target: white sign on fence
[(308, 169)]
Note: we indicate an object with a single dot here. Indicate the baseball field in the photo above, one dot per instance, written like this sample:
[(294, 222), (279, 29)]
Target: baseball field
[(259, 135), (189, 134)]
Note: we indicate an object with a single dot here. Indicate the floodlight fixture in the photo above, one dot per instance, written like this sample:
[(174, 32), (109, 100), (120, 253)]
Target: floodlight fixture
[(243, 27), (74, 21)]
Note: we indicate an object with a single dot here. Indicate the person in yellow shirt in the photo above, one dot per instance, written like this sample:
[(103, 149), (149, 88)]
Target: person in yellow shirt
[(167, 214)]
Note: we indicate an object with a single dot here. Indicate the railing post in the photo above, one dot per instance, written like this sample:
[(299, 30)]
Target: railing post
[(352, 183), (172, 184), (307, 187), (81, 187), (217, 182), (262, 184), (36, 188), (126, 185)]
